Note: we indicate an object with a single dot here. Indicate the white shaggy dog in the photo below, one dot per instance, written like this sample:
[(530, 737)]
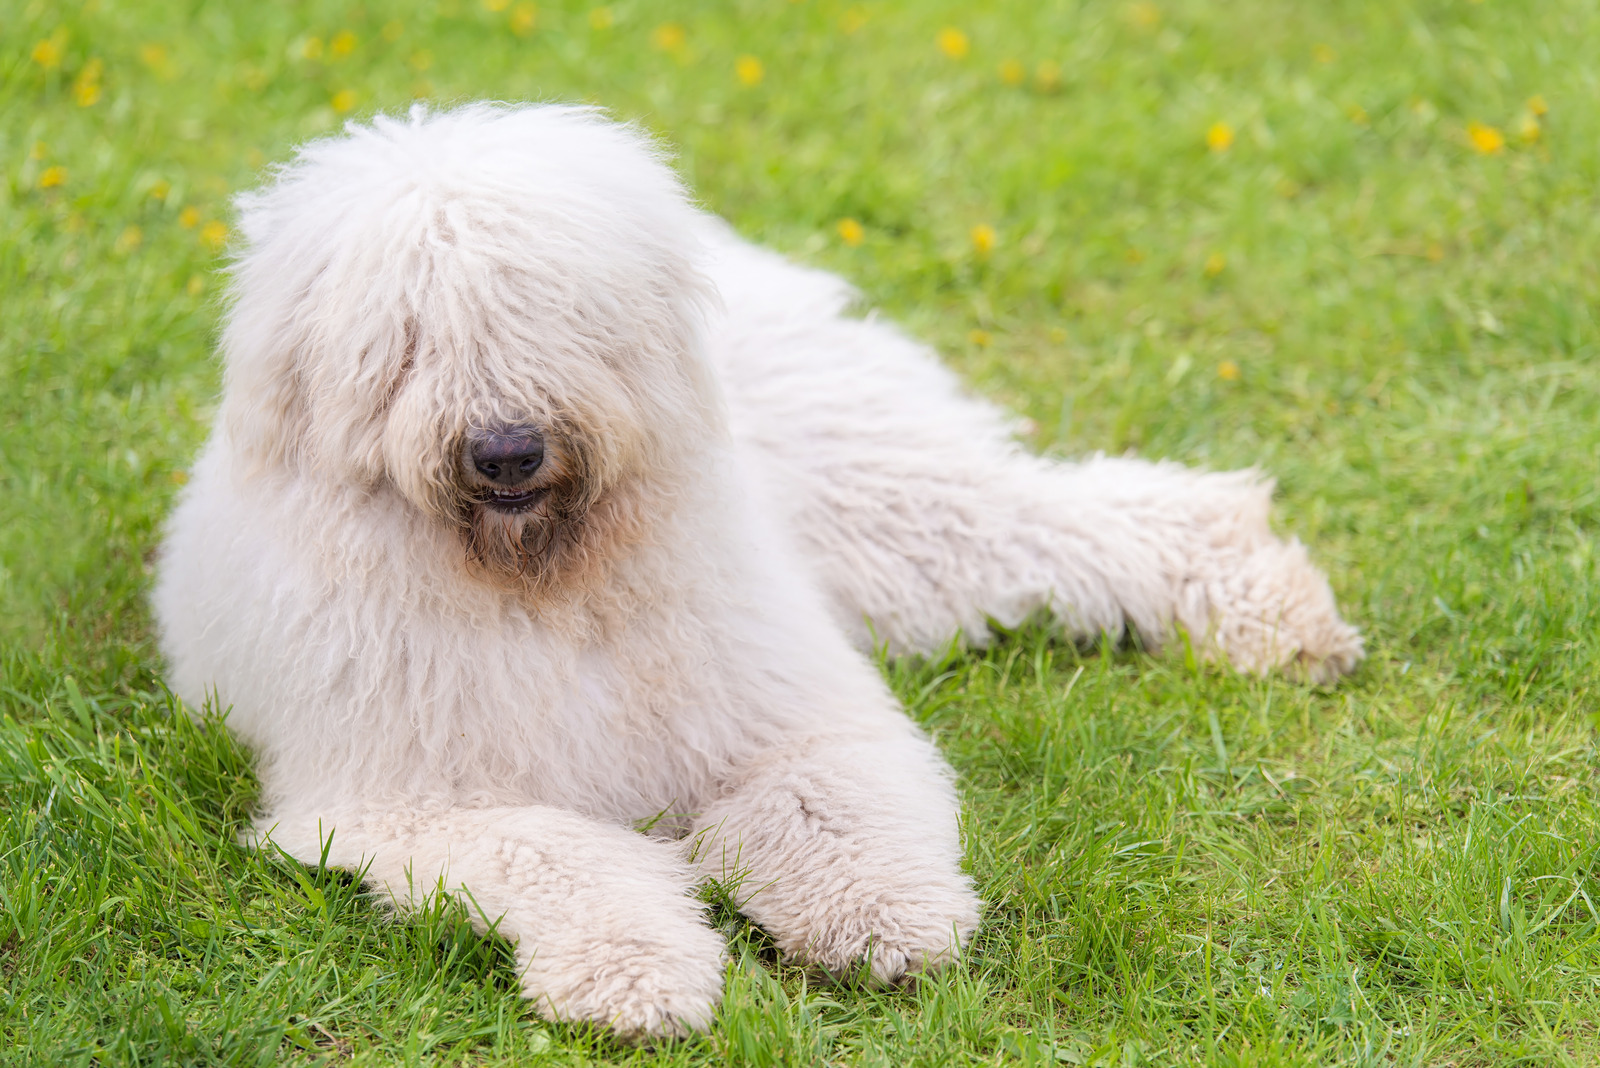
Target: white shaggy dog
[(540, 506)]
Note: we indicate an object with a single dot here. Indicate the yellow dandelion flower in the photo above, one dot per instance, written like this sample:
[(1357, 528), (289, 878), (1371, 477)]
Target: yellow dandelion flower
[(1228, 371), (1485, 138), (1145, 15), (1537, 105), (52, 177), (1012, 72), (954, 43), (853, 19), (1219, 138), (47, 53), (189, 217), (344, 42), (38, 150), (669, 37), (195, 286), (311, 48), (1528, 129), (602, 18), (213, 234), (749, 70), (160, 190), (524, 17), (420, 60), (1358, 115), (496, 6), (851, 232), (1215, 264), (1047, 76), (1323, 54), (156, 57), (983, 238), (129, 240), (980, 338), (86, 87), (1134, 255), (393, 30), (344, 100), (1434, 251)]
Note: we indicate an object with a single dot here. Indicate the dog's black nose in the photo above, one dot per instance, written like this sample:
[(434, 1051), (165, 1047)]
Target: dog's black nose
[(507, 457)]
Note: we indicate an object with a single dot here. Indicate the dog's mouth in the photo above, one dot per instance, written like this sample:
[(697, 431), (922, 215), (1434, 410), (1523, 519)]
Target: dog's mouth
[(513, 501)]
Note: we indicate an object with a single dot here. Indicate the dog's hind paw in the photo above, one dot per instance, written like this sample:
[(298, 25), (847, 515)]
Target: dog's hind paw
[(1274, 610)]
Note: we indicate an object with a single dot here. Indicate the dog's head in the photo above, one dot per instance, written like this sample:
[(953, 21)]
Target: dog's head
[(493, 310)]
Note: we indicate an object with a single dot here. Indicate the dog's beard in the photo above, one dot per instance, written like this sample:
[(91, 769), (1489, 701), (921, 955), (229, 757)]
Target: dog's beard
[(526, 546)]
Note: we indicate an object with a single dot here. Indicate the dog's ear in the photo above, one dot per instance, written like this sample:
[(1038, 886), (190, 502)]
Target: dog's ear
[(264, 412), (301, 397), (320, 334)]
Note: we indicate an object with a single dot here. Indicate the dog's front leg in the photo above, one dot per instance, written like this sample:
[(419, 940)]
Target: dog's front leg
[(847, 851), (603, 920)]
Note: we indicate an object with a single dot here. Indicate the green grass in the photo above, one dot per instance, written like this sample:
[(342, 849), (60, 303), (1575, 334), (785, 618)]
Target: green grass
[(1179, 865)]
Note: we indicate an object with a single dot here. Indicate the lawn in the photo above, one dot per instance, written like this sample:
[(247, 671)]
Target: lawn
[(1355, 242)]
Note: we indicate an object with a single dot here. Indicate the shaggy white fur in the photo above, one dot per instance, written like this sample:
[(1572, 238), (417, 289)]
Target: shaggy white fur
[(481, 680)]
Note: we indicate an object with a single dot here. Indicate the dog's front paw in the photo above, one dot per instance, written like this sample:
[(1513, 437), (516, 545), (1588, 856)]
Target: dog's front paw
[(1273, 609), (641, 988), (885, 937)]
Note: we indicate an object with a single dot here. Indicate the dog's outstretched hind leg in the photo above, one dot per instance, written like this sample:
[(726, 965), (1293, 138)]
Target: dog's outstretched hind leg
[(1181, 548), (945, 541), (605, 927)]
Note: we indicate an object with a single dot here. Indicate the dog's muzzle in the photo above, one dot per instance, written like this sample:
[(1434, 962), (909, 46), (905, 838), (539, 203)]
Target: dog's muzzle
[(504, 461)]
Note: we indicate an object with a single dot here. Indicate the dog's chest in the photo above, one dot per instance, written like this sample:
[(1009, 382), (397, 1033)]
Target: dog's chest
[(621, 730)]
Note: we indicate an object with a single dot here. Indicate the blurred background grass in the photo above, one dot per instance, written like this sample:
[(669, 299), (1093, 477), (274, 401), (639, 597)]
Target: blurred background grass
[(1354, 242)]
